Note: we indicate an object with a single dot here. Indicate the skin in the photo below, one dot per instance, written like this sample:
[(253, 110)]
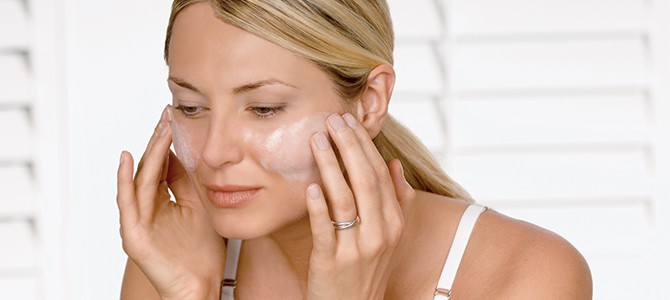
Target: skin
[(291, 251)]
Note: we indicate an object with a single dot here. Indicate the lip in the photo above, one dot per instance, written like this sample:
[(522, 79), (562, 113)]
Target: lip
[(231, 196)]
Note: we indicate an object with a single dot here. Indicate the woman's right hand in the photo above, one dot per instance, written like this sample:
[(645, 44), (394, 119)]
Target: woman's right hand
[(173, 243)]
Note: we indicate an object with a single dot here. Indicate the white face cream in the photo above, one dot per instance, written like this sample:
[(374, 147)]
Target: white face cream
[(182, 146), (287, 151)]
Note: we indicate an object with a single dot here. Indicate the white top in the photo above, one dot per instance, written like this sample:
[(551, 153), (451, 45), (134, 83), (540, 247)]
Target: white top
[(445, 282)]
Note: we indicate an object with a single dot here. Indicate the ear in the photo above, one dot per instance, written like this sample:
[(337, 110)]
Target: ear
[(372, 107)]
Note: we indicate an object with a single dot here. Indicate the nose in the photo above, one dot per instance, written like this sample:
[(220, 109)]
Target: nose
[(223, 145)]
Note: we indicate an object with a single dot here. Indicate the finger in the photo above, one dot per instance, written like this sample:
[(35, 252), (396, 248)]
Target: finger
[(159, 131), (362, 177), (149, 172), (388, 201), (166, 165), (339, 197), (175, 170), (125, 194), (403, 190), (371, 151), (167, 161), (179, 182), (385, 217), (323, 235)]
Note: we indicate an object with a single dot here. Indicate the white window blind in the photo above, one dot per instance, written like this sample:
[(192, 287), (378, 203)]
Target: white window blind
[(546, 110), (19, 263)]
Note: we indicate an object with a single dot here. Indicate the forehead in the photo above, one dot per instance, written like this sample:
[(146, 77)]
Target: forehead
[(211, 52)]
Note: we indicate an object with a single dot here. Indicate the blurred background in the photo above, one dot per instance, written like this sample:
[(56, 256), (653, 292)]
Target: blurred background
[(552, 111)]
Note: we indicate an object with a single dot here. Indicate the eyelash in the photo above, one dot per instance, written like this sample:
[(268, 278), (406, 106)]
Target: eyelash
[(264, 112), (261, 112), (186, 110)]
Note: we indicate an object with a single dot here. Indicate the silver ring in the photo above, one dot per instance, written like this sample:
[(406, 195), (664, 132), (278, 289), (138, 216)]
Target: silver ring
[(346, 224)]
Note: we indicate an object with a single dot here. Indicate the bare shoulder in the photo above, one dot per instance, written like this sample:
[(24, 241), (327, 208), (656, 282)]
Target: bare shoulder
[(505, 258), (530, 262)]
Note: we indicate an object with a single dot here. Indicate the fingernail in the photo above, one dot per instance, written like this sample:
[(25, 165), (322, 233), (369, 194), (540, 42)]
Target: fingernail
[(336, 122), (351, 121), (321, 141), (164, 114), (121, 159), (169, 113), (314, 191), (163, 128)]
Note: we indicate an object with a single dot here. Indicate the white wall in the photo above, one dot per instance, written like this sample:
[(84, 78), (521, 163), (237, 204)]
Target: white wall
[(551, 111)]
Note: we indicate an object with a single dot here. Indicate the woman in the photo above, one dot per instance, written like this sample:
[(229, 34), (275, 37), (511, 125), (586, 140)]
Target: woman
[(282, 139)]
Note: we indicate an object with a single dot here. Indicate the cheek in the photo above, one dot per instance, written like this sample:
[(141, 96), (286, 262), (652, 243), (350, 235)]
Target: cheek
[(183, 146), (287, 151)]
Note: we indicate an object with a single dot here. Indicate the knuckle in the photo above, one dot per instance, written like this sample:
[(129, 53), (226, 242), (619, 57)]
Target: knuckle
[(369, 181), (323, 265), (322, 241), (347, 139), (382, 172), (396, 232), (349, 257), (344, 203), (141, 183), (385, 180), (376, 245)]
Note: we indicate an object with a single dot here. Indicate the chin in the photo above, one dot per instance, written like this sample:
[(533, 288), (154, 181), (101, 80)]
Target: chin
[(236, 225)]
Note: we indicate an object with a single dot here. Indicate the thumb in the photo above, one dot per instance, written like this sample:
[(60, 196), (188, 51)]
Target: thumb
[(179, 182), (403, 190)]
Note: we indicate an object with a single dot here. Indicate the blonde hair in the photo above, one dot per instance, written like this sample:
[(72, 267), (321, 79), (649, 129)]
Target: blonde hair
[(346, 39)]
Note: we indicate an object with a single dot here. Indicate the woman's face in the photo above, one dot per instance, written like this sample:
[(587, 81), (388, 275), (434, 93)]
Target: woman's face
[(244, 111)]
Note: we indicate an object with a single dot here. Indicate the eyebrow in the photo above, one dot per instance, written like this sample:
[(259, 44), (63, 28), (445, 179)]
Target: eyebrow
[(254, 85), (183, 83), (238, 90)]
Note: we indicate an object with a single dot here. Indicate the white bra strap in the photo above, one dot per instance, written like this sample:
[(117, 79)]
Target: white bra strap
[(457, 250), (230, 273)]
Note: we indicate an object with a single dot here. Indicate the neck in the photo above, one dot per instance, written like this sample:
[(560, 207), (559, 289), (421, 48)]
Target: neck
[(289, 246), (295, 242)]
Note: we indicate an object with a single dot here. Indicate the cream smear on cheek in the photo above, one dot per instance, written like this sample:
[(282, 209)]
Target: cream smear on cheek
[(287, 151), (182, 146)]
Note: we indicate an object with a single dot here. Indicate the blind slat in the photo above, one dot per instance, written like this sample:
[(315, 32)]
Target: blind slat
[(17, 136), (14, 79), (551, 119), (19, 251), (421, 117), (416, 19), (616, 222), (576, 64), (13, 25), (17, 193), (612, 274), (417, 69), (497, 178), (20, 288), (471, 17)]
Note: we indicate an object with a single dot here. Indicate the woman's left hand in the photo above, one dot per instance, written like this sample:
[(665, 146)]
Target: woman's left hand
[(354, 263)]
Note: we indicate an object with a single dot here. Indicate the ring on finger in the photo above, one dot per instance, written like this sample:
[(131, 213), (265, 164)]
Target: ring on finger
[(346, 224)]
